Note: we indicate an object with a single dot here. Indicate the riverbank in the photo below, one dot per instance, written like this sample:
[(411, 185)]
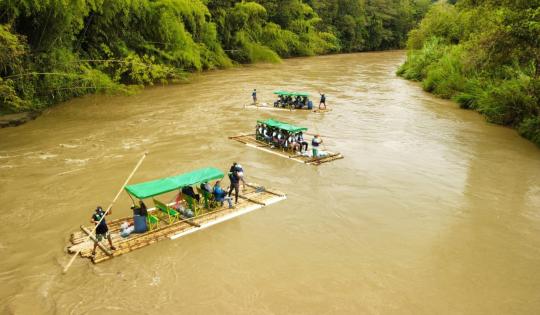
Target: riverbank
[(485, 57), (14, 120)]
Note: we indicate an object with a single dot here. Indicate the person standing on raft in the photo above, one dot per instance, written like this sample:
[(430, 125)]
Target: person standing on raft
[(323, 101), (102, 230), (235, 182), (315, 145), (254, 96)]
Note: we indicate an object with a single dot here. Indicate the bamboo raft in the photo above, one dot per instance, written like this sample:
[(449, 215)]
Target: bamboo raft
[(250, 141), (265, 106), (252, 198)]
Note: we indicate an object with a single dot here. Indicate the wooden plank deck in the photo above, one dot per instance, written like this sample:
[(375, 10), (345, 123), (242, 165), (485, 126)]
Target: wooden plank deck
[(250, 199), (249, 140)]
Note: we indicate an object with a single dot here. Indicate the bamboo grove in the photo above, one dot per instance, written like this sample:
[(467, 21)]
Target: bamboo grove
[(53, 50)]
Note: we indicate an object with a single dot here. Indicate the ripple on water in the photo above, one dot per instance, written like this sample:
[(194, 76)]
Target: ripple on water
[(76, 161), (69, 146)]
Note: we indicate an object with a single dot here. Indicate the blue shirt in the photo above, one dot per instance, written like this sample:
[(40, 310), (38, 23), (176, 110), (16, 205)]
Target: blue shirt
[(219, 193)]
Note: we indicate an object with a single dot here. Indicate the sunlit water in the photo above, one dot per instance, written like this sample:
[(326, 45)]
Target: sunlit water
[(432, 211)]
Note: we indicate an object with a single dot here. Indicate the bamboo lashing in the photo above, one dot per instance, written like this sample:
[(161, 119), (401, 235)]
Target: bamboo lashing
[(108, 209)]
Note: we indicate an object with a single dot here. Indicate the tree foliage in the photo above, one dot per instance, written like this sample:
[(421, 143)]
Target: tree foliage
[(485, 54), (52, 50)]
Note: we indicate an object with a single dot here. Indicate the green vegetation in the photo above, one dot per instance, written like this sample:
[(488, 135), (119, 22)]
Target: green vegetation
[(485, 54), (53, 50)]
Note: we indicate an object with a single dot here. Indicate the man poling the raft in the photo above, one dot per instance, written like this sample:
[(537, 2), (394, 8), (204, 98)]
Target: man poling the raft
[(98, 222), (102, 231)]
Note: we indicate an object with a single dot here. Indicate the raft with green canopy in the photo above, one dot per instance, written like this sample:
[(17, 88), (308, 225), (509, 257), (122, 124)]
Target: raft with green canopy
[(170, 220), (281, 125), (295, 150), (168, 184)]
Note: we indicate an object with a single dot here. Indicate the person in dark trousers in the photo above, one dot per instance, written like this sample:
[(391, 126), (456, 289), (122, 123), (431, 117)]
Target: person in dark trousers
[(140, 209), (144, 209), (188, 190), (303, 143), (235, 182), (323, 101), (254, 95), (206, 187), (102, 230)]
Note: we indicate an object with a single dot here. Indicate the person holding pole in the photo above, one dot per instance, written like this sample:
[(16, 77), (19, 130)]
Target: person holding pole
[(323, 100), (102, 230), (107, 211)]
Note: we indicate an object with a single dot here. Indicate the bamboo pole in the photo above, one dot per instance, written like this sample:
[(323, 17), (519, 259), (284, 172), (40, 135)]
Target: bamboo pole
[(89, 233), (108, 209)]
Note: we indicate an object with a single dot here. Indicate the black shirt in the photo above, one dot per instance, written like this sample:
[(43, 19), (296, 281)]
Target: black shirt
[(233, 175), (188, 190), (102, 227)]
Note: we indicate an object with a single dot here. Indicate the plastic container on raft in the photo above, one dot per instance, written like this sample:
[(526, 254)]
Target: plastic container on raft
[(139, 222)]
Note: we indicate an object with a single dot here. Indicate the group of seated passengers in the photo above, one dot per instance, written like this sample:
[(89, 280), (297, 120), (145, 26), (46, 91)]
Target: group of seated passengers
[(298, 102), (218, 193), (281, 138)]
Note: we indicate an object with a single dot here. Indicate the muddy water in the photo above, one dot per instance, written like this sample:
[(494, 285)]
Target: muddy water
[(432, 211)]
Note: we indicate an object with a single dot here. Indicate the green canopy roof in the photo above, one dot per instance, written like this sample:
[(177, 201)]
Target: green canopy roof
[(167, 184), (281, 125), (285, 93)]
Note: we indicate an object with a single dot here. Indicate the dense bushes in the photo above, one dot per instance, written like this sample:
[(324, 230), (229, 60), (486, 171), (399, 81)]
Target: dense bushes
[(52, 50), (486, 56)]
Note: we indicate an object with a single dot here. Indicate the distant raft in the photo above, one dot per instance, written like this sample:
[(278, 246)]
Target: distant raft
[(289, 102), (258, 142), (164, 222)]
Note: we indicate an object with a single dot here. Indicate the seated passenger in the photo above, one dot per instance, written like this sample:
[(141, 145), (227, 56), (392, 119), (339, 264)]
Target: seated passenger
[(220, 195), (304, 101), (188, 191), (280, 139), (278, 102), (285, 143), (266, 134), (292, 144), (275, 139), (297, 102), (206, 187), (303, 143)]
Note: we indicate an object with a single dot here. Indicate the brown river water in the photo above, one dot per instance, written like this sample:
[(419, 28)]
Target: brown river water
[(432, 211)]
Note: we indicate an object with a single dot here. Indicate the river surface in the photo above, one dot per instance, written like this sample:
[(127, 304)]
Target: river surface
[(432, 211)]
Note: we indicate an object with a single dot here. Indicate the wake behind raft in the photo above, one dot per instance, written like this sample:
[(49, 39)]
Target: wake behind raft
[(287, 141), (171, 220)]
